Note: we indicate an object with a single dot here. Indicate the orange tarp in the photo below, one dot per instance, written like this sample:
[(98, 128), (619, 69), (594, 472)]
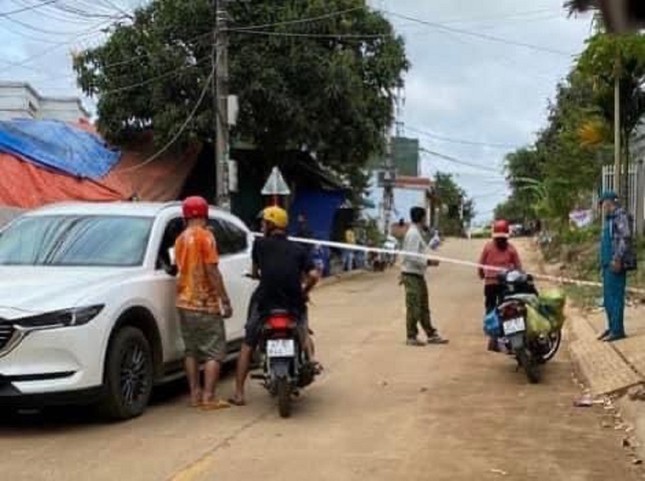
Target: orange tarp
[(25, 185)]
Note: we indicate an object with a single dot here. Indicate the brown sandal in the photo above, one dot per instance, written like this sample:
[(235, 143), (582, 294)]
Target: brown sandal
[(214, 405)]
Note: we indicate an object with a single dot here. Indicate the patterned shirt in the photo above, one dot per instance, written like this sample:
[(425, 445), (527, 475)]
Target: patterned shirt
[(616, 237), (195, 251)]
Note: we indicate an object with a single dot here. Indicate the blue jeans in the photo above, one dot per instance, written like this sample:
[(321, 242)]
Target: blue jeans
[(614, 286), (348, 260)]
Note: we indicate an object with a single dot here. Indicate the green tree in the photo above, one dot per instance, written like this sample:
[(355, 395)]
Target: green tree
[(551, 177), (455, 208), (611, 58), (325, 85)]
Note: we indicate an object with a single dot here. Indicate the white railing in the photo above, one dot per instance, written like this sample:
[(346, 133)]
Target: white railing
[(636, 186)]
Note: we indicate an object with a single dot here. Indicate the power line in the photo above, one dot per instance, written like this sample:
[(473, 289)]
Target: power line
[(27, 8), (299, 21), (484, 36), (24, 63), (150, 80), (180, 131), (310, 35), (459, 141), (454, 160)]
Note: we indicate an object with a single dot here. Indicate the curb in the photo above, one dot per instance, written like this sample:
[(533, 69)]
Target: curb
[(599, 365), (633, 414)]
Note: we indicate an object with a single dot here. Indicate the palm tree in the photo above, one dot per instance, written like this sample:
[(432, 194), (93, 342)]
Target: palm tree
[(579, 6)]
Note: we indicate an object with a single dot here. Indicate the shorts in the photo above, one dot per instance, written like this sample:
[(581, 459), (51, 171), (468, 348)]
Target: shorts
[(203, 334)]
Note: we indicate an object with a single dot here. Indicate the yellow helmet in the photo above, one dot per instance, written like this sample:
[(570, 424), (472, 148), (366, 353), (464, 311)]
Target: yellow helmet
[(277, 216)]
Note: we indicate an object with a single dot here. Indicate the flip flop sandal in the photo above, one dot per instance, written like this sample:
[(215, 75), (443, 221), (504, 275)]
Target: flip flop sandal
[(236, 402), (317, 367), (215, 405)]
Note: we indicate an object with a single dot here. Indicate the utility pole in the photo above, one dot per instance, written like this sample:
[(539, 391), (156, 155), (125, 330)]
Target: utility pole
[(617, 143), (388, 185), (220, 102)]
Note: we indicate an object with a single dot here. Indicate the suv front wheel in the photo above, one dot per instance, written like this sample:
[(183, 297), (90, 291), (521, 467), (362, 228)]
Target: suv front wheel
[(128, 375)]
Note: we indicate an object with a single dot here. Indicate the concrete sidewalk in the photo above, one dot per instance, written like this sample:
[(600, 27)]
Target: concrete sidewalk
[(613, 369), (607, 368)]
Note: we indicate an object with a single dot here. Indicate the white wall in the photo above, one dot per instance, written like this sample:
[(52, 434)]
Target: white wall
[(404, 200), (19, 101)]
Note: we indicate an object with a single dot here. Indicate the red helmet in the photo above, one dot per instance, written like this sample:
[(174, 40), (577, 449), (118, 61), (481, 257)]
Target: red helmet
[(195, 207), (501, 229)]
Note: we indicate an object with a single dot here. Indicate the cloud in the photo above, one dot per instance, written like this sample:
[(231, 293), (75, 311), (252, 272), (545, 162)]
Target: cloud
[(460, 87)]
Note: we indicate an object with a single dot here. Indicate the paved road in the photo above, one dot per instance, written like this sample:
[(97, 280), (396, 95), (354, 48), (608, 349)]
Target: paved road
[(382, 411)]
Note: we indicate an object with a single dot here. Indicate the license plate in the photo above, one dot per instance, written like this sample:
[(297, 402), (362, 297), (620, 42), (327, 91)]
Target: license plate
[(281, 348), (513, 326)]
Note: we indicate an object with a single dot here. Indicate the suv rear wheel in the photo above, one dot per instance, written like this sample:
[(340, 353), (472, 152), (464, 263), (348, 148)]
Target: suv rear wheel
[(128, 375)]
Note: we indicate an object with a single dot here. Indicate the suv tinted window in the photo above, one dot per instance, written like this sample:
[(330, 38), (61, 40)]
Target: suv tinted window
[(230, 238)]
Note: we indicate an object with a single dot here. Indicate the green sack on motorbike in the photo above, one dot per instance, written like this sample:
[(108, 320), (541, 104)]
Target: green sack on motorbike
[(551, 305), (536, 323)]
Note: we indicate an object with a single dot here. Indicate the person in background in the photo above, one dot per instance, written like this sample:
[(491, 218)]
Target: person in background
[(413, 271), (303, 231), (202, 303), (497, 255), (615, 251), (348, 254)]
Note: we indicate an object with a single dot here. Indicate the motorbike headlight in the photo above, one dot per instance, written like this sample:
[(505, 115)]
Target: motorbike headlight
[(64, 318)]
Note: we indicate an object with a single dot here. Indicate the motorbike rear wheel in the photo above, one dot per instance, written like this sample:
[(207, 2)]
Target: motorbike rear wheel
[(531, 367), (284, 397)]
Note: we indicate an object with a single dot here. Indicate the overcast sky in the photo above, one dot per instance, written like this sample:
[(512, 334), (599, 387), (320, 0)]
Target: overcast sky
[(466, 83)]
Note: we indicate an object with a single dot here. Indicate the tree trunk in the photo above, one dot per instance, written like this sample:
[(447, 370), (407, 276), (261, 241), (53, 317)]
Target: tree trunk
[(625, 189)]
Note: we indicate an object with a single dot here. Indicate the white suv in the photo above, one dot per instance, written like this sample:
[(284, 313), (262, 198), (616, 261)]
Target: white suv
[(87, 302)]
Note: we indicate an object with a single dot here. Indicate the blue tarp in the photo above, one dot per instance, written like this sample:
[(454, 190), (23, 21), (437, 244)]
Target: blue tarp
[(59, 146), (320, 208)]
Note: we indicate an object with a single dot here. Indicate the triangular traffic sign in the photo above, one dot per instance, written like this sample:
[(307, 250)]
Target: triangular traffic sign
[(275, 184)]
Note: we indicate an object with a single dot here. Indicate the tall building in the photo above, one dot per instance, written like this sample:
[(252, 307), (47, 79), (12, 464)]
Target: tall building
[(19, 100)]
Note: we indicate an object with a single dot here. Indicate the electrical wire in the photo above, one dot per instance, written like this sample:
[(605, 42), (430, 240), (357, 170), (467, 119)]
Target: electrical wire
[(310, 35), (27, 8), (299, 21), (150, 80), (484, 36), (181, 129), (24, 63), (454, 160), (458, 141)]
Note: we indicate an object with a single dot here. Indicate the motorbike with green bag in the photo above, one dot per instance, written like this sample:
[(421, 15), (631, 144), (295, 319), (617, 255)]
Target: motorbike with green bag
[(526, 324)]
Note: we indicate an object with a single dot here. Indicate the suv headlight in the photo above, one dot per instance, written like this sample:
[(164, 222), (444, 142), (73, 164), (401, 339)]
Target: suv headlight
[(64, 318)]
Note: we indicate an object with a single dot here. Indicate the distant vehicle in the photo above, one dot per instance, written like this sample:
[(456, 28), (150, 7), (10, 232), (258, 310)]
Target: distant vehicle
[(517, 230), (87, 305)]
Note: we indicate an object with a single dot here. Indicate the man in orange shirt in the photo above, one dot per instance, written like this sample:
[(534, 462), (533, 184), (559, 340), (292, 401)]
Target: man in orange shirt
[(499, 254), (202, 302)]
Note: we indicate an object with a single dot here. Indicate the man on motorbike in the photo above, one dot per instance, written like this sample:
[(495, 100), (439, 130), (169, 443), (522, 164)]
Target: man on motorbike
[(498, 255), (287, 275)]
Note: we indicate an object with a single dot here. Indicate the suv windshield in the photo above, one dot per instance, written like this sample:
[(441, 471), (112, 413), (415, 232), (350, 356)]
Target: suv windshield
[(75, 241)]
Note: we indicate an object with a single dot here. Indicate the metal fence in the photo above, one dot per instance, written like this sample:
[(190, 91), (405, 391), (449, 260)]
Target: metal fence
[(636, 192)]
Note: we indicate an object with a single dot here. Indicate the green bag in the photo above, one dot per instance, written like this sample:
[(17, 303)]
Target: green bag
[(536, 323), (551, 304)]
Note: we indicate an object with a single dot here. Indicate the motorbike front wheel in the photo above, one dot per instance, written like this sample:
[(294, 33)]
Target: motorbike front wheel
[(556, 339), (529, 363), (283, 389)]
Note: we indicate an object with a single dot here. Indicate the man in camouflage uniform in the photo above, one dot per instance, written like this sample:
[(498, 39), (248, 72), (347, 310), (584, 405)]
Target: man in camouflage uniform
[(413, 270)]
